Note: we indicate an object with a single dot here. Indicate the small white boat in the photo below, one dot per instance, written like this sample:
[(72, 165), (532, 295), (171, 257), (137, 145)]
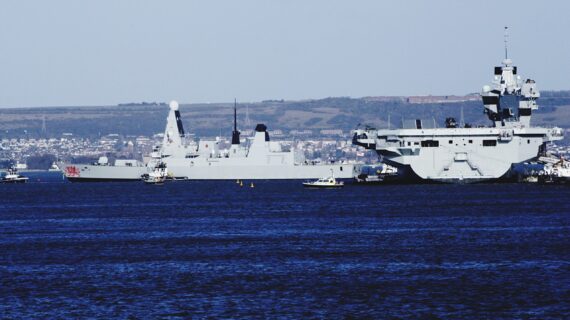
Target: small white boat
[(157, 176), (555, 170), (12, 176), (54, 167), (329, 182)]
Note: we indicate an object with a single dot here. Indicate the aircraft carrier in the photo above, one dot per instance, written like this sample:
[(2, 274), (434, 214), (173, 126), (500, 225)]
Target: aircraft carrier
[(460, 153)]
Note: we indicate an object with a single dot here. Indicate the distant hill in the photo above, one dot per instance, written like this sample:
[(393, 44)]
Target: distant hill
[(212, 119)]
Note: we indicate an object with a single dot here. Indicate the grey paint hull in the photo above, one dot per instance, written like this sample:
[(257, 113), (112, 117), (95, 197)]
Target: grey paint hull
[(212, 170), (96, 173), (221, 171), (457, 155)]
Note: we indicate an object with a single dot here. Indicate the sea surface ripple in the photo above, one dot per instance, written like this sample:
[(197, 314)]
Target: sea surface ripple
[(215, 249)]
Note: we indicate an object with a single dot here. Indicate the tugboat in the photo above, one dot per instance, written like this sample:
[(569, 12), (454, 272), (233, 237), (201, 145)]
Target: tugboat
[(329, 182), (556, 170), (382, 173), (12, 176), (157, 176), (54, 167)]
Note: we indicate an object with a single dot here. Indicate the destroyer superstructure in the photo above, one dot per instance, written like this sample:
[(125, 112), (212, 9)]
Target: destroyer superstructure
[(258, 159), (464, 154)]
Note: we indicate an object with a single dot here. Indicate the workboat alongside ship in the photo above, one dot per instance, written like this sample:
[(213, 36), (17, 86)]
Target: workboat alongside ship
[(186, 159), (157, 176), (12, 176), (555, 170), (464, 154), (377, 174)]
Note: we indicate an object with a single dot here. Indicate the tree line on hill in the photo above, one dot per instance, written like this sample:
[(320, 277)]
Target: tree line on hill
[(210, 120)]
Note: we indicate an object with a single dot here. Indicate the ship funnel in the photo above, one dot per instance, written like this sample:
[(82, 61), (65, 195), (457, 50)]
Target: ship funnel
[(260, 127)]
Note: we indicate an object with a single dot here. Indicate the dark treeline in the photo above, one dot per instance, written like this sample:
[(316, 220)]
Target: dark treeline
[(215, 119)]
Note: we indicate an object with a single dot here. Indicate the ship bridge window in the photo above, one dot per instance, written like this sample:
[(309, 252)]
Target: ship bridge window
[(450, 141), (489, 143), (430, 143)]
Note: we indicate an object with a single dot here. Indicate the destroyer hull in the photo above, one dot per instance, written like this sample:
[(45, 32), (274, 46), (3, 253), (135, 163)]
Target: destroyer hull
[(105, 179), (220, 171), (211, 171), (94, 173)]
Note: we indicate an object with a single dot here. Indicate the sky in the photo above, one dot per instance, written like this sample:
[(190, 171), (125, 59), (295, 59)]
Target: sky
[(105, 52)]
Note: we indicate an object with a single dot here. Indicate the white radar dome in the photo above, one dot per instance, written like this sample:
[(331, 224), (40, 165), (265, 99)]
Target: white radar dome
[(486, 88), (173, 105)]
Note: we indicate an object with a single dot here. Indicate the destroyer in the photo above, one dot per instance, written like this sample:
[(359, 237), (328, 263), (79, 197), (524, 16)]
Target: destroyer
[(188, 160), (465, 154), (259, 159)]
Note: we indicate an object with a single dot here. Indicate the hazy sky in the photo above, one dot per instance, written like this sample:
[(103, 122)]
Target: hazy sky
[(112, 51)]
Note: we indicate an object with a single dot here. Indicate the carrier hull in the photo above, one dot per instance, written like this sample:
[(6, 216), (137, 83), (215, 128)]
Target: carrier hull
[(459, 155)]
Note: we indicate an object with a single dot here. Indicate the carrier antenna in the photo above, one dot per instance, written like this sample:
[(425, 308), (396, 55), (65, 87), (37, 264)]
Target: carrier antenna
[(506, 36)]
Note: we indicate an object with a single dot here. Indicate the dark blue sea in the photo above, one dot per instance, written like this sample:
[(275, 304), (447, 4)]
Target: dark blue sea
[(217, 250)]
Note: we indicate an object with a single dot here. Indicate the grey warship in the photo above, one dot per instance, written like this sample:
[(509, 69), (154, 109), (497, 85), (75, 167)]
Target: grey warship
[(257, 159), (186, 159), (464, 154)]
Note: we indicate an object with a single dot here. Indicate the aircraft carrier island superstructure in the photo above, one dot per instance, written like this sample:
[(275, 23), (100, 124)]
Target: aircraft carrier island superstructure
[(461, 153)]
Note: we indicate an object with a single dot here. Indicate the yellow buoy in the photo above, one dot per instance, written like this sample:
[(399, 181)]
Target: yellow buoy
[(241, 183), (252, 186), (237, 181)]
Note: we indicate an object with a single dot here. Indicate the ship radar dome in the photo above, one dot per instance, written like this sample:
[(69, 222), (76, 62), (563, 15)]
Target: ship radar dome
[(173, 105), (486, 88)]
